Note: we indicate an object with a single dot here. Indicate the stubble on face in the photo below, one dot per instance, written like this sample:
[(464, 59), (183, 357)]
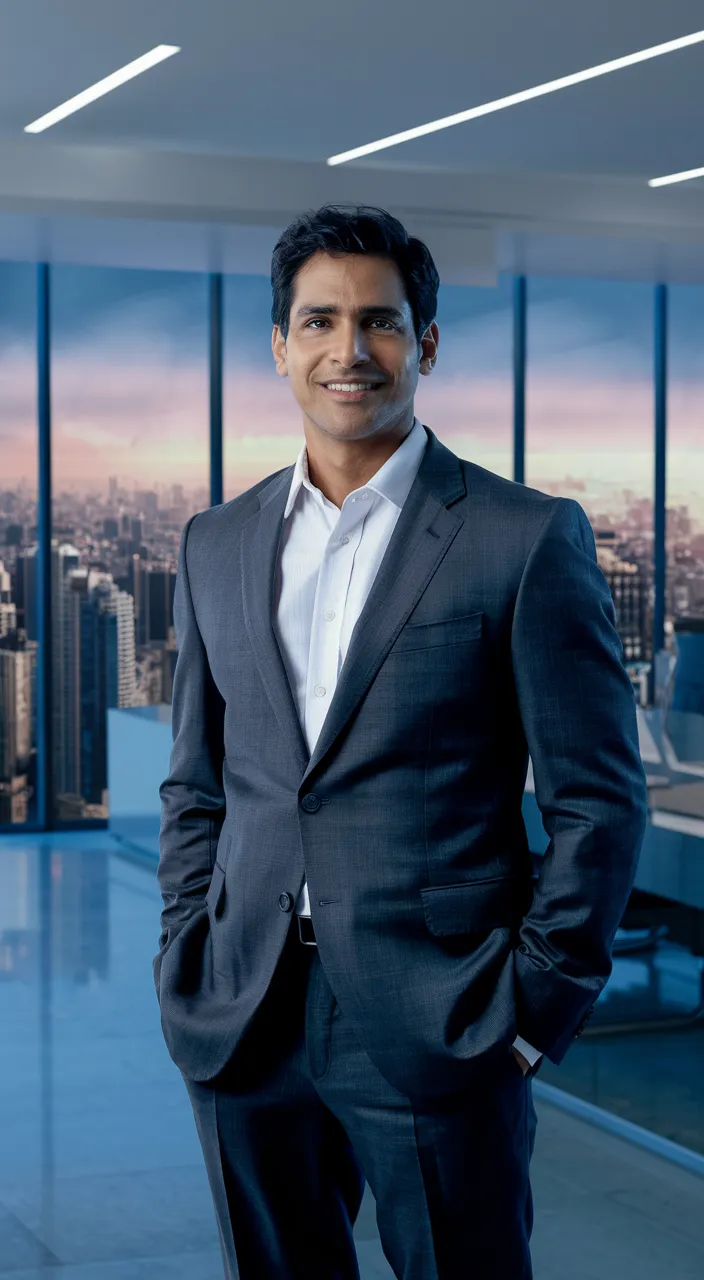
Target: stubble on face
[(351, 353)]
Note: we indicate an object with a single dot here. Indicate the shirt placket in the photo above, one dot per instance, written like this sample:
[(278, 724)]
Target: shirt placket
[(328, 611)]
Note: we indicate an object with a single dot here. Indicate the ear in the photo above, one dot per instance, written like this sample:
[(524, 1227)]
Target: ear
[(278, 348), (429, 348)]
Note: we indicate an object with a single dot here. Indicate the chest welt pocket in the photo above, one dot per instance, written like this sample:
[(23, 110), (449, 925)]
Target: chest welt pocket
[(431, 635), (477, 905)]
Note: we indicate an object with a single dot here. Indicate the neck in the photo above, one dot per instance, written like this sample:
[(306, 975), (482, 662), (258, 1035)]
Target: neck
[(338, 467)]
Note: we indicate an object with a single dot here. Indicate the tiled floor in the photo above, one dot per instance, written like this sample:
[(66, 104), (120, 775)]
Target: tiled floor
[(101, 1175)]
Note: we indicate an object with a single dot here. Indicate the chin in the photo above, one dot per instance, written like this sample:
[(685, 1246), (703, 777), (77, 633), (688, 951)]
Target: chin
[(347, 421)]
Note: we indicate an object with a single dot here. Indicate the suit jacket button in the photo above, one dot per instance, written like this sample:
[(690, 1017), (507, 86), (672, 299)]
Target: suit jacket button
[(285, 901), (311, 802)]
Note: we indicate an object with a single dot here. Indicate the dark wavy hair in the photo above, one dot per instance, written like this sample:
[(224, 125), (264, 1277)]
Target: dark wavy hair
[(340, 229)]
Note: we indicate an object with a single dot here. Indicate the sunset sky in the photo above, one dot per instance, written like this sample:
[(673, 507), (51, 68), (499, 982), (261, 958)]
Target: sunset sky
[(130, 382)]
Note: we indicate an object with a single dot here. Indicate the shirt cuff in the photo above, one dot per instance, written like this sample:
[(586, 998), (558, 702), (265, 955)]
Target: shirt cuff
[(527, 1050)]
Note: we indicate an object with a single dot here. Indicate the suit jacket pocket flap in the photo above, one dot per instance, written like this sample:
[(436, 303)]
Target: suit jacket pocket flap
[(477, 905), (426, 635)]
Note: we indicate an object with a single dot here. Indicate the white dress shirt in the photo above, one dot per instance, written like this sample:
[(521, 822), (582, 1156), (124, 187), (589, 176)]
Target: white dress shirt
[(327, 560)]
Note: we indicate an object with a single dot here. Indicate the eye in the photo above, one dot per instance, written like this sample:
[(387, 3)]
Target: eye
[(316, 320), (388, 324)]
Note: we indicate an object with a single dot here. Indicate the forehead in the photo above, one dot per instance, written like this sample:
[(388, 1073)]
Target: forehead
[(349, 281)]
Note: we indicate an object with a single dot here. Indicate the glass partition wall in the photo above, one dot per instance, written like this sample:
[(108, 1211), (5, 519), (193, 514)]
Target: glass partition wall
[(111, 386), (19, 638), (129, 466), (131, 457)]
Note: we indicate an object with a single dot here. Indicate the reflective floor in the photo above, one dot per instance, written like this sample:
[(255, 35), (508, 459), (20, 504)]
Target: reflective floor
[(101, 1175), (654, 1078)]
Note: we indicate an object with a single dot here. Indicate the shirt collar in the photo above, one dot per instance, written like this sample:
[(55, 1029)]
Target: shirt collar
[(392, 481)]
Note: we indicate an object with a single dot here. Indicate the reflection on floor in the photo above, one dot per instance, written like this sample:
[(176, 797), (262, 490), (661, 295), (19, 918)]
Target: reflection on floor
[(652, 1079), (663, 981), (101, 1176)]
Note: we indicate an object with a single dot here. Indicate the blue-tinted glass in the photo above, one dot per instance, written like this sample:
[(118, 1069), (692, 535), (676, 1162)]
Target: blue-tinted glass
[(18, 528), (130, 465), (262, 426), (685, 454), (589, 428), (468, 398), (684, 540)]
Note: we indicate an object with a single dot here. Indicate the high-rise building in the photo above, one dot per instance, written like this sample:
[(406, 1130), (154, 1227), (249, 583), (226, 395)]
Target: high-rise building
[(107, 672), (18, 664), (154, 586), (147, 501), (629, 593)]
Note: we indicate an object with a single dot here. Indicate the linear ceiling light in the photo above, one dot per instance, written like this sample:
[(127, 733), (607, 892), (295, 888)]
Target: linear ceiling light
[(514, 98), (97, 90), (676, 177)]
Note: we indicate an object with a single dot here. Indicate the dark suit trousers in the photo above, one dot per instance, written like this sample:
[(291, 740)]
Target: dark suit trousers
[(300, 1117)]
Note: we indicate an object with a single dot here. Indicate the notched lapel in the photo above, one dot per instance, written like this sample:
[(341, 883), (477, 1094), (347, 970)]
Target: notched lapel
[(258, 547), (421, 538), (423, 533)]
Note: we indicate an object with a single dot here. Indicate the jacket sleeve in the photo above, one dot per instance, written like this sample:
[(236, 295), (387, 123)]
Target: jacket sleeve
[(578, 709), (192, 795)]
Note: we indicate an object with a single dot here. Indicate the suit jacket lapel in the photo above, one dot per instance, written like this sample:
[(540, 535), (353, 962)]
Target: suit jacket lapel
[(258, 550), (421, 537)]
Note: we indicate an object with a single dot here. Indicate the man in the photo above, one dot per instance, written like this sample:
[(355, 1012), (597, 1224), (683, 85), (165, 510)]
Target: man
[(358, 970)]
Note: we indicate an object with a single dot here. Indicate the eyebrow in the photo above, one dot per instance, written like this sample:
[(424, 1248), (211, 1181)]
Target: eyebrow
[(386, 313)]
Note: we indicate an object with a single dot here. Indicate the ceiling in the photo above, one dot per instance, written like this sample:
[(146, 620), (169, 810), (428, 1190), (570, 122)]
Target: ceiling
[(307, 80), (293, 84)]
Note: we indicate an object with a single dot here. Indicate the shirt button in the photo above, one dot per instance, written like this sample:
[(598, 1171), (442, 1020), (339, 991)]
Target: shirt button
[(344, 539), (329, 615), (364, 497), (320, 690)]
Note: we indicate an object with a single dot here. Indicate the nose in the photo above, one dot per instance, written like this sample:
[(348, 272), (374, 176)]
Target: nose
[(351, 346)]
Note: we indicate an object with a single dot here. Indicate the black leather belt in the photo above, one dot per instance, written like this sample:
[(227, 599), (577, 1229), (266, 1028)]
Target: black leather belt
[(306, 932)]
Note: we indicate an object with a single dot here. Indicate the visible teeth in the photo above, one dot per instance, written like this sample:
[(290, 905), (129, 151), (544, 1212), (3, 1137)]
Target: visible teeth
[(349, 386)]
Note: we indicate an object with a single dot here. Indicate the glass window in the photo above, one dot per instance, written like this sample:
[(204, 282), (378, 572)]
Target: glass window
[(683, 664), (18, 547), (589, 429), (468, 398), (590, 436), (262, 427), (685, 456), (130, 465)]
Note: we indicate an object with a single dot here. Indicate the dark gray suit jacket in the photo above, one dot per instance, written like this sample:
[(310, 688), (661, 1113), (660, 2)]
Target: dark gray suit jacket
[(488, 634)]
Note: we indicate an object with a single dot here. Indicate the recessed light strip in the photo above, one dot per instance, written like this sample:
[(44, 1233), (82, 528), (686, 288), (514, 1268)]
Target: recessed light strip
[(97, 90), (676, 177), (514, 98)]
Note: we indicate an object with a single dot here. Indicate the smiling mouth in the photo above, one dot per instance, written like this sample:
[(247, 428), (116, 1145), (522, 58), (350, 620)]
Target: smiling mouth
[(351, 388)]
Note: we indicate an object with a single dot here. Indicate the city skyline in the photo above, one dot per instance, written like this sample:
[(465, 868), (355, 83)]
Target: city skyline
[(130, 464), (130, 383)]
